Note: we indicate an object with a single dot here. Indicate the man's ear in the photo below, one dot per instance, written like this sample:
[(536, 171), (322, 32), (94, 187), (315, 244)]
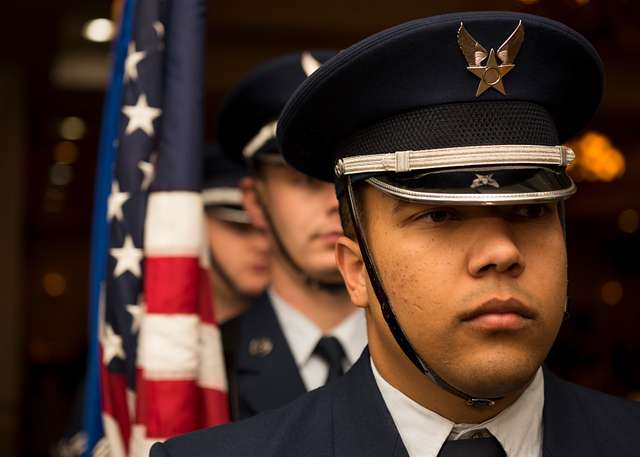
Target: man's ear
[(354, 273), (248, 187)]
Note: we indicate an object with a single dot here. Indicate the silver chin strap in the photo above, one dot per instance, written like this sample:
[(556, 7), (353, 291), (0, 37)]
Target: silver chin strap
[(389, 315)]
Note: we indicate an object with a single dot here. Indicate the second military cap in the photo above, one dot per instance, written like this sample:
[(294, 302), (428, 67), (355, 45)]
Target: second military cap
[(248, 118)]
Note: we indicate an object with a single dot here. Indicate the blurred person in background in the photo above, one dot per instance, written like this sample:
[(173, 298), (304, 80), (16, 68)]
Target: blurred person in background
[(304, 332), (238, 251)]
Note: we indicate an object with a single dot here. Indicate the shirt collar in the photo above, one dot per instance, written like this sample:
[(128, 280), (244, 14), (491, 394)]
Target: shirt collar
[(303, 334), (352, 334), (518, 428)]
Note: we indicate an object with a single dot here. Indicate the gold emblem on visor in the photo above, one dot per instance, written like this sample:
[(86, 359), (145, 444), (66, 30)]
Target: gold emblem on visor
[(490, 74)]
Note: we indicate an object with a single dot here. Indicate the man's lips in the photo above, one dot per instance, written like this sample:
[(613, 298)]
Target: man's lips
[(260, 267), (496, 314)]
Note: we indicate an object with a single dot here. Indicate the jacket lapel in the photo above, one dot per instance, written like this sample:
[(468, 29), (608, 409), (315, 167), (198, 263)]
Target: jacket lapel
[(267, 373), (362, 425), (565, 427)]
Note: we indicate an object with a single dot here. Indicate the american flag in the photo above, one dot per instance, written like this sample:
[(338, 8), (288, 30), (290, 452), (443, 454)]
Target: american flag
[(156, 367)]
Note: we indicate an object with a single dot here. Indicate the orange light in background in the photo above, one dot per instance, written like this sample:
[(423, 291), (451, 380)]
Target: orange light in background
[(54, 284), (611, 292), (596, 159), (528, 2), (116, 11), (65, 152), (629, 220)]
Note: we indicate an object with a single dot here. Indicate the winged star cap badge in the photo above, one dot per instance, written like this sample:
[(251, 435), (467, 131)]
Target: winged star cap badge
[(490, 74), (484, 180)]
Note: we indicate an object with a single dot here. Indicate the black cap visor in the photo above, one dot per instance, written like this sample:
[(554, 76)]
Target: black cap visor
[(502, 185)]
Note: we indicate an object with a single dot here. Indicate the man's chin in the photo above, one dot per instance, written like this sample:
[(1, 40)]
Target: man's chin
[(328, 276), (494, 378)]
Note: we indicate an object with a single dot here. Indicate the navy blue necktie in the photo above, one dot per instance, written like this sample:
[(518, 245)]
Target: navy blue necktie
[(475, 447), (330, 349)]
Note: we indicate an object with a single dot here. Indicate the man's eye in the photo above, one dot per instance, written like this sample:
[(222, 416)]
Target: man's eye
[(437, 216), (532, 211)]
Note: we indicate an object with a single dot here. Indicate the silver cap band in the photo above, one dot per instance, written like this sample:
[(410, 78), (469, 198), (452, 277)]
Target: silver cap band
[(403, 161)]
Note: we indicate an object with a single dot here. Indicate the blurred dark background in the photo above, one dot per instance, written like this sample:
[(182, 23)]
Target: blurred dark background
[(52, 80)]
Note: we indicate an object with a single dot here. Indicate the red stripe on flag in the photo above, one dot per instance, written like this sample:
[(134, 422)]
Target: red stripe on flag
[(216, 405), (171, 285), (170, 408)]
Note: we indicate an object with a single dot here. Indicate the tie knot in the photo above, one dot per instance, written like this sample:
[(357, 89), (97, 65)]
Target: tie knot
[(485, 446), (332, 352), (330, 349)]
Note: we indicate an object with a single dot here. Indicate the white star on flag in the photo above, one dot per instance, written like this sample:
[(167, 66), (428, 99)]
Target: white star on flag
[(131, 62), (128, 258), (137, 312), (115, 202), (141, 116), (148, 170), (111, 345)]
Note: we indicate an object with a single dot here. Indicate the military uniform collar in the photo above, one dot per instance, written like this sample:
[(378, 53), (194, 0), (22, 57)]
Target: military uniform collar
[(302, 334)]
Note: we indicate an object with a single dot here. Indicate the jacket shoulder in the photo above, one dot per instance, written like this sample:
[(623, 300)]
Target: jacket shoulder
[(602, 423), (607, 408), (300, 428)]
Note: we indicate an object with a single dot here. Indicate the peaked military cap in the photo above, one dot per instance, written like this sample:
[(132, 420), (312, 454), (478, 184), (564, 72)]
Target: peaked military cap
[(221, 180), (248, 118), (468, 108)]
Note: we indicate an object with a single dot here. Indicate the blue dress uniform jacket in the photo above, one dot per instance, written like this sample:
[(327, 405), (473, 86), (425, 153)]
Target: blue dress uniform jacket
[(261, 370), (349, 419)]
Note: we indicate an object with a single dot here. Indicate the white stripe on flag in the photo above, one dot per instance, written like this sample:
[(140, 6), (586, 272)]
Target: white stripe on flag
[(101, 449), (168, 347), (140, 445), (212, 370), (114, 438), (170, 230)]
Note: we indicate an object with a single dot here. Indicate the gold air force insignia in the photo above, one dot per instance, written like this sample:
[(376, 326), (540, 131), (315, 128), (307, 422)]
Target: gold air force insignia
[(491, 73)]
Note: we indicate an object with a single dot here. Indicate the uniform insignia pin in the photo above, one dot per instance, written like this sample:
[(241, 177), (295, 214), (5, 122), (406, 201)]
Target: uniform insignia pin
[(491, 74), (484, 180), (260, 347)]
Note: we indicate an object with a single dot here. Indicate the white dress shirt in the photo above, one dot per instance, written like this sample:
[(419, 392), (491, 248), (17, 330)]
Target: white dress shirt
[(518, 428), (303, 335)]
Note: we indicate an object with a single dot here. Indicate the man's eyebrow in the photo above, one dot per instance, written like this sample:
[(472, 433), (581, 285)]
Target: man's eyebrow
[(398, 205)]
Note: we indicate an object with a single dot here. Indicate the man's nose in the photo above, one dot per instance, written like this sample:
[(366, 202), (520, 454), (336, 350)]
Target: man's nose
[(494, 249), (329, 196), (260, 241)]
